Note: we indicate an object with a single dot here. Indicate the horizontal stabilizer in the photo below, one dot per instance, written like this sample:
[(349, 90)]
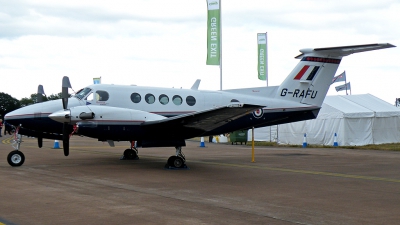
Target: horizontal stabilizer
[(343, 50)]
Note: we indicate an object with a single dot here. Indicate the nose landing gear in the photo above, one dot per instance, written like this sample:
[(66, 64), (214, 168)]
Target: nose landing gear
[(16, 157)]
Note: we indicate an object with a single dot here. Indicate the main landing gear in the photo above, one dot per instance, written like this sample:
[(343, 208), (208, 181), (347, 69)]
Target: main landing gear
[(131, 153), (177, 161), (16, 157)]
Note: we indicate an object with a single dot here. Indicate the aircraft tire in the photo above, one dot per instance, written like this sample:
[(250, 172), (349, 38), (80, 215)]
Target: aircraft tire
[(175, 161), (130, 154), (15, 158)]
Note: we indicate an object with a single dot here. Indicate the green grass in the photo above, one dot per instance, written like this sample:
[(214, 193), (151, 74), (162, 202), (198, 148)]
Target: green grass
[(382, 147)]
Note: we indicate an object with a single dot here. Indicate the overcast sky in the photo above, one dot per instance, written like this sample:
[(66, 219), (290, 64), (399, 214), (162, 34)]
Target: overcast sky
[(163, 43)]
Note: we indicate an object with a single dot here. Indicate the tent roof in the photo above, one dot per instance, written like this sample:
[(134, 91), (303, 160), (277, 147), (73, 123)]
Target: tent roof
[(353, 106)]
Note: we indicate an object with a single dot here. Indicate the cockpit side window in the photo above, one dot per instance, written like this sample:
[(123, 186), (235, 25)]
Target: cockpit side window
[(102, 96), (89, 97), (82, 93)]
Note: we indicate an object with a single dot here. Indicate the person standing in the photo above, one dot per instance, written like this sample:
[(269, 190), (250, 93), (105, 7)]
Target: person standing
[(1, 126), (7, 128)]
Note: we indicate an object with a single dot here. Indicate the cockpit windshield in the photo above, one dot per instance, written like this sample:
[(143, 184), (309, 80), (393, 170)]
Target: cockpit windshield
[(82, 93)]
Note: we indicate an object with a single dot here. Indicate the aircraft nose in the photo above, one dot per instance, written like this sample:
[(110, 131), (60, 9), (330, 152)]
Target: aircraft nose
[(15, 118), (63, 116)]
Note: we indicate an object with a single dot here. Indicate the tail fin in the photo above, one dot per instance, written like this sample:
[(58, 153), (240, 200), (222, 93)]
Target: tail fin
[(309, 82)]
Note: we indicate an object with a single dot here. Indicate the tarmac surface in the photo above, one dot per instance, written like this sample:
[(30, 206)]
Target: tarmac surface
[(283, 186)]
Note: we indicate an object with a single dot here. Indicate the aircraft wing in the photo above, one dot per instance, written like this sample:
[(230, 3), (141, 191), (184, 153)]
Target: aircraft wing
[(204, 120)]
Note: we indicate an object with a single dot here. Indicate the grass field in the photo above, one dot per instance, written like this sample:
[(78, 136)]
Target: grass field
[(383, 147)]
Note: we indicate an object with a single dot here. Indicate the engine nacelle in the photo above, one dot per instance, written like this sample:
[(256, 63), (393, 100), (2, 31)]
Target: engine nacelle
[(103, 114)]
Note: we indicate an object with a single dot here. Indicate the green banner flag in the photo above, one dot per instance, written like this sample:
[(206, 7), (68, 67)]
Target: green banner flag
[(262, 56), (213, 32)]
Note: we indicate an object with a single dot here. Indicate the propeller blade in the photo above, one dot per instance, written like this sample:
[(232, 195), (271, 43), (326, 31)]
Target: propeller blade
[(66, 139), (64, 91), (40, 142), (40, 93)]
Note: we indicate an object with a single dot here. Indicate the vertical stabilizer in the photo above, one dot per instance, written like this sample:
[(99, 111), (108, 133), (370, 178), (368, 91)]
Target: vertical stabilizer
[(310, 80)]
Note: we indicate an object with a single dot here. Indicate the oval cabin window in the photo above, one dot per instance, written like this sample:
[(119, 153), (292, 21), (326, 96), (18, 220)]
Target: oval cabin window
[(190, 100), (150, 98)]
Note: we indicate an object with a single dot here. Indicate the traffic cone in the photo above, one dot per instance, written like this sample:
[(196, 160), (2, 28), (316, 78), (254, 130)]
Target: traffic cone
[(202, 142), (305, 141), (56, 144), (335, 144)]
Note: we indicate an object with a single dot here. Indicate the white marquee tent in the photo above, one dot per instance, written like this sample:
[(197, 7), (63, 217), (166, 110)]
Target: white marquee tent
[(356, 119)]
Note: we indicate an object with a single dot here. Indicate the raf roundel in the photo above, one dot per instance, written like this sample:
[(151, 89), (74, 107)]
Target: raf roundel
[(258, 113)]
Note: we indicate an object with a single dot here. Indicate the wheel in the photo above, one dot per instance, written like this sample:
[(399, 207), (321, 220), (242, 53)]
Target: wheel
[(171, 160), (130, 154), (178, 162), (175, 161), (15, 158)]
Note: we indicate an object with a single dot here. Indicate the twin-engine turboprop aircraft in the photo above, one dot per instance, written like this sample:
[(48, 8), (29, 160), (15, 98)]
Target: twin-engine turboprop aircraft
[(165, 117)]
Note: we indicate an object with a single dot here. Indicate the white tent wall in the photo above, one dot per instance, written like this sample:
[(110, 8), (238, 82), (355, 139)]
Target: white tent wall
[(357, 131), (264, 134), (386, 130), (318, 131), (356, 119)]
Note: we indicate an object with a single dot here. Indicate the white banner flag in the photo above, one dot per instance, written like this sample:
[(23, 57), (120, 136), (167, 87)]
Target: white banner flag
[(343, 87), (340, 77)]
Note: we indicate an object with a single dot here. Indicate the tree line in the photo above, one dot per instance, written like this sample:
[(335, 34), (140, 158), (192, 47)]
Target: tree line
[(9, 103)]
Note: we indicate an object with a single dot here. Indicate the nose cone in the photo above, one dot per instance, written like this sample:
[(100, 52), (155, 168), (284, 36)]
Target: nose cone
[(17, 117), (63, 116)]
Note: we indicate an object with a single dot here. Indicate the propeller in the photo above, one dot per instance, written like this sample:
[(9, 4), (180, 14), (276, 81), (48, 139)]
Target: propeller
[(64, 91), (39, 98), (64, 95), (40, 94)]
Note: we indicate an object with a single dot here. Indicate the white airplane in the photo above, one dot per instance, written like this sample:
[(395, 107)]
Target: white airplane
[(165, 117)]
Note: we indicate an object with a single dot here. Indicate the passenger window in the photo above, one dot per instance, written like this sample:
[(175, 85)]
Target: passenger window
[(190, 100), (150, 98), (102, 96), (177, 100), (163, 99), (135, 97)]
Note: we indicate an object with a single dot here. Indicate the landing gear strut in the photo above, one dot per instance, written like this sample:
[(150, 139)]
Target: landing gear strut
[(176, 161), (16, 157), (131, 153)]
